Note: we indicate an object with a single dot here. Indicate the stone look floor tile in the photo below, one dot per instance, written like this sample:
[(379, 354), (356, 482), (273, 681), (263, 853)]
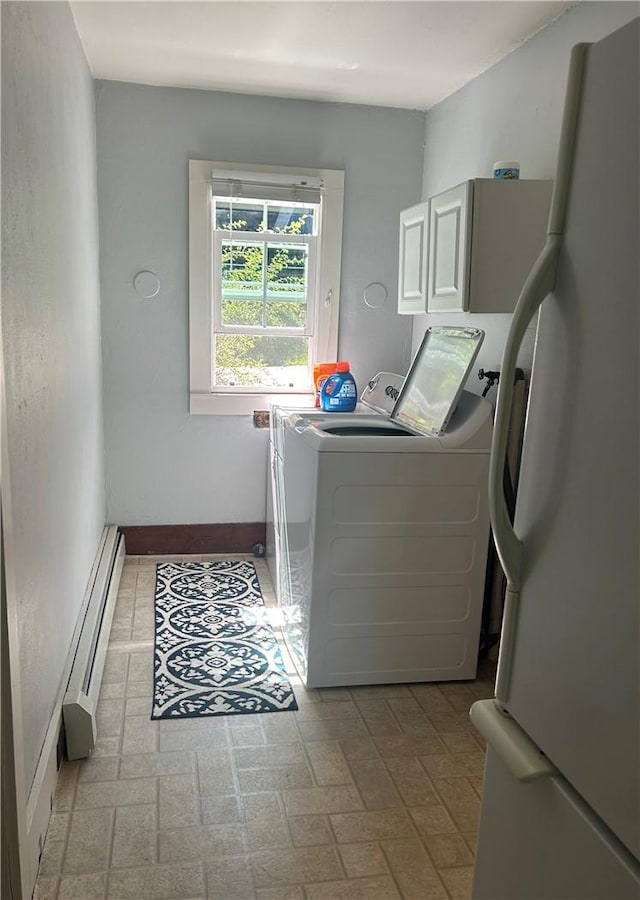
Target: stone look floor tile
[(139, 736), (448, 850), (138, 706), (58, 826), (351, 828), (343, 798), (134, 836), (279, 728), (432, 820), (110, 717), (292, 892), (265, 822), (282, 778), (364, 793), (116, 793), (328, 763), (89, 841), (410, 716), (46, 887), (409, 745), (163, 882), (106, 746), (476, 782), (52, 857), (451, 721), (229, 878), (361, 860), (380, 888), (140, 667), (139, 689), (412, 782), (460, 742), (178, 804), (380, 691), (218, 810), (99, 769), (338, 709), (189, 737), (458, 882), (335, 694), (374, 784), (201, 841), (115, 667), (310, 831), (359, 748), (147, 765), (83, 887), (267, 757), (333, 730), (471, 839), (378, 718), (461, 800), (113, 690), (452, 764), (298, 866), (247, 737), (215, 773), (413, 871)]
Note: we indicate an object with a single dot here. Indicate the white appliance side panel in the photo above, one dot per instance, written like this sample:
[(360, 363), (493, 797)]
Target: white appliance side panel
[(272, 532), (538, 841), (398, 567), (574, 688), (298, 480)]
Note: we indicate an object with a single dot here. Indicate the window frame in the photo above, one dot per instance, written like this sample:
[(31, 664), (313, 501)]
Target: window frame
[(203, 399)]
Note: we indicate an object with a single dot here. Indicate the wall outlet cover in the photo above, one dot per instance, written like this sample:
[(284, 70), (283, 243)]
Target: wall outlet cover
[(261, 418)]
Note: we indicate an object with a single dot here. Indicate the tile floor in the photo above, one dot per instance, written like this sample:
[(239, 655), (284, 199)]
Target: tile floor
[(367, 793)]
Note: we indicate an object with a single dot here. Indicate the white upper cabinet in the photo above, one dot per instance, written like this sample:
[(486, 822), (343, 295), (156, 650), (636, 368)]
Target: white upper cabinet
[(449, 250), (412, 269), (508, 231), (481, 239)]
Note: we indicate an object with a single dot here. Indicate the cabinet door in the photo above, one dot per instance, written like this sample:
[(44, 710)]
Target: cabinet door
[(412, 268), (449, 237), (508, 232)]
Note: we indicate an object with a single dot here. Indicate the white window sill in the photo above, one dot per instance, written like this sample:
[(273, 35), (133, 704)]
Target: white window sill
[(207, 404)]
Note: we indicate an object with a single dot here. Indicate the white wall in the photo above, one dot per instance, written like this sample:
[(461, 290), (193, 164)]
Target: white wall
[(163, 465), (51, 345), (512, 111)]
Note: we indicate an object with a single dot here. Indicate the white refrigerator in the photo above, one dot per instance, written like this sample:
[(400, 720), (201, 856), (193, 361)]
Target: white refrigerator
[(560, 813)]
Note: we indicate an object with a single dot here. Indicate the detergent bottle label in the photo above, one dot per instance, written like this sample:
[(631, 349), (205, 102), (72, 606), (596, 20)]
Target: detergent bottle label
[(339, 393)]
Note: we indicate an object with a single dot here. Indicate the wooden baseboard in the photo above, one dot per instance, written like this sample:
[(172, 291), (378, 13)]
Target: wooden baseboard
[(235, 537)]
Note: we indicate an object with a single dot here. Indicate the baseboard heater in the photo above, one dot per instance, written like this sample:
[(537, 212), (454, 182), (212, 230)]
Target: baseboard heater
[(81, 698)]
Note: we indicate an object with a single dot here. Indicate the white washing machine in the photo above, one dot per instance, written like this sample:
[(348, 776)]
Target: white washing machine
[(377, 535)]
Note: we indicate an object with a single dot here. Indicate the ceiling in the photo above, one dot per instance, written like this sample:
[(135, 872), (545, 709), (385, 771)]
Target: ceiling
[(382, 53)]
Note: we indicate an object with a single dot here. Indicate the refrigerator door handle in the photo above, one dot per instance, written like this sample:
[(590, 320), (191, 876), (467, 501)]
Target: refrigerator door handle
[(536, 287), (521, 756), (540, 282)]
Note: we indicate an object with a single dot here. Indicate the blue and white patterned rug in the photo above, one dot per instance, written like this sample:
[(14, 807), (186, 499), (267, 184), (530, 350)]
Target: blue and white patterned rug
[(215, 651)]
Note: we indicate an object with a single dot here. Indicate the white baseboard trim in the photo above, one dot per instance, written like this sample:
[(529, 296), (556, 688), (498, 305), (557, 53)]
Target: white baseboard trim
[(43, 788)]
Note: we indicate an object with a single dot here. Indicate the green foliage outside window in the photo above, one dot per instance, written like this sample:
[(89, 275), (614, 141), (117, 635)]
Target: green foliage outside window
[(242, 263)]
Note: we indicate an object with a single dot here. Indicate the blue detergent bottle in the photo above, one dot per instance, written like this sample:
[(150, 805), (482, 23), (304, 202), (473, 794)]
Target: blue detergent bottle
[(338, 392)]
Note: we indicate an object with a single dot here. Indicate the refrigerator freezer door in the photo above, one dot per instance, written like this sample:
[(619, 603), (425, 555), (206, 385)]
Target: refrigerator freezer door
[(538, 841), (574, 681)]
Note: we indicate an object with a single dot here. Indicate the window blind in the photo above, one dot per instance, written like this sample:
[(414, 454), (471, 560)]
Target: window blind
[(266, 186)]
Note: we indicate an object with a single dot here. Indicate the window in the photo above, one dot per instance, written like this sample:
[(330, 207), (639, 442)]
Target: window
[(264, 276)]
